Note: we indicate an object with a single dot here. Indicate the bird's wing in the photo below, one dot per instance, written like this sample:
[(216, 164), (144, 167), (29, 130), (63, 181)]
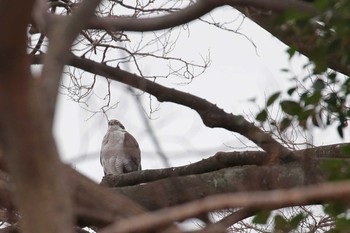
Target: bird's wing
[(104, 142), (132, 149)]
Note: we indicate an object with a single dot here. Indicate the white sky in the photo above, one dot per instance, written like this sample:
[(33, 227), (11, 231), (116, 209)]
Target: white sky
[(238, 72)]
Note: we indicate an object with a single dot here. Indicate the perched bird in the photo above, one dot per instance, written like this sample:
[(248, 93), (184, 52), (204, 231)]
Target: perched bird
[(120, 152)]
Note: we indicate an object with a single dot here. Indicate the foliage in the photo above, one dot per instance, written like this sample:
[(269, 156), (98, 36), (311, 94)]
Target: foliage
[(321, 98)]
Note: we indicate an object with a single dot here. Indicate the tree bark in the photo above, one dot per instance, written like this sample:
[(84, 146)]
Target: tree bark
[(177, 190), (42, 194)]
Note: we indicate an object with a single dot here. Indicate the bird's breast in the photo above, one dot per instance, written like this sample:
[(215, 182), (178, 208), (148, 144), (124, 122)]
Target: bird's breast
[(115, 141), (116, 137)]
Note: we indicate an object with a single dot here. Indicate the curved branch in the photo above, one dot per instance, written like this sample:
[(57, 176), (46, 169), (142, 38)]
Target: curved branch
[(228, 221), (212, 116), (186, 15), (180, 17)]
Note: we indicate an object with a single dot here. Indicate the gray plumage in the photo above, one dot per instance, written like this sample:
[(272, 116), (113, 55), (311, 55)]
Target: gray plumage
[(120, 152)]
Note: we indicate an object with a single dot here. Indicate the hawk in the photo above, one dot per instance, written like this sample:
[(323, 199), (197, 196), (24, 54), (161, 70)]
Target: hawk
[(120, 152)]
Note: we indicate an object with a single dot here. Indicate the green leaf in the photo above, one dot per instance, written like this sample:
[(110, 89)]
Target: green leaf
[(261, 217), (334, 209), (291, 107), (320, 66), (262, 116), (313, 99), (273, 98), (332, 76), (295, 221), (305, 114), (280, 223), (285, 123), (332, 100), (340, 131), (304, 95), (291, 51), (286, 225), (291, 91), (319, 85)]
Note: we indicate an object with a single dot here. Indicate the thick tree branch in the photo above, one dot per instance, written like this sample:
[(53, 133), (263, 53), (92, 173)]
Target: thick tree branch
[(218, 161), (246, 178), (183, 16), (94, 205), (27, 143), (186, 15), (339, 192)]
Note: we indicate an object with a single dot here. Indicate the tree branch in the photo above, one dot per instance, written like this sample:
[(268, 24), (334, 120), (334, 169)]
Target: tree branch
[(339, 192), (246, 178), (228, 221), (211, 115), (218, 161), (27, 143), (93, 205), (180, 17), (186, 15)]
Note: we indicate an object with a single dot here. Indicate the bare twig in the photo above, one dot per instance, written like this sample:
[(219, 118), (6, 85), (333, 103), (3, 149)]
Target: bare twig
[(155, 140), (211, 115), (59, 49)]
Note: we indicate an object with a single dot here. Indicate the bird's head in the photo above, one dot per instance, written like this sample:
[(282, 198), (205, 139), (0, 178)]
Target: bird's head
[(115, 124)]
